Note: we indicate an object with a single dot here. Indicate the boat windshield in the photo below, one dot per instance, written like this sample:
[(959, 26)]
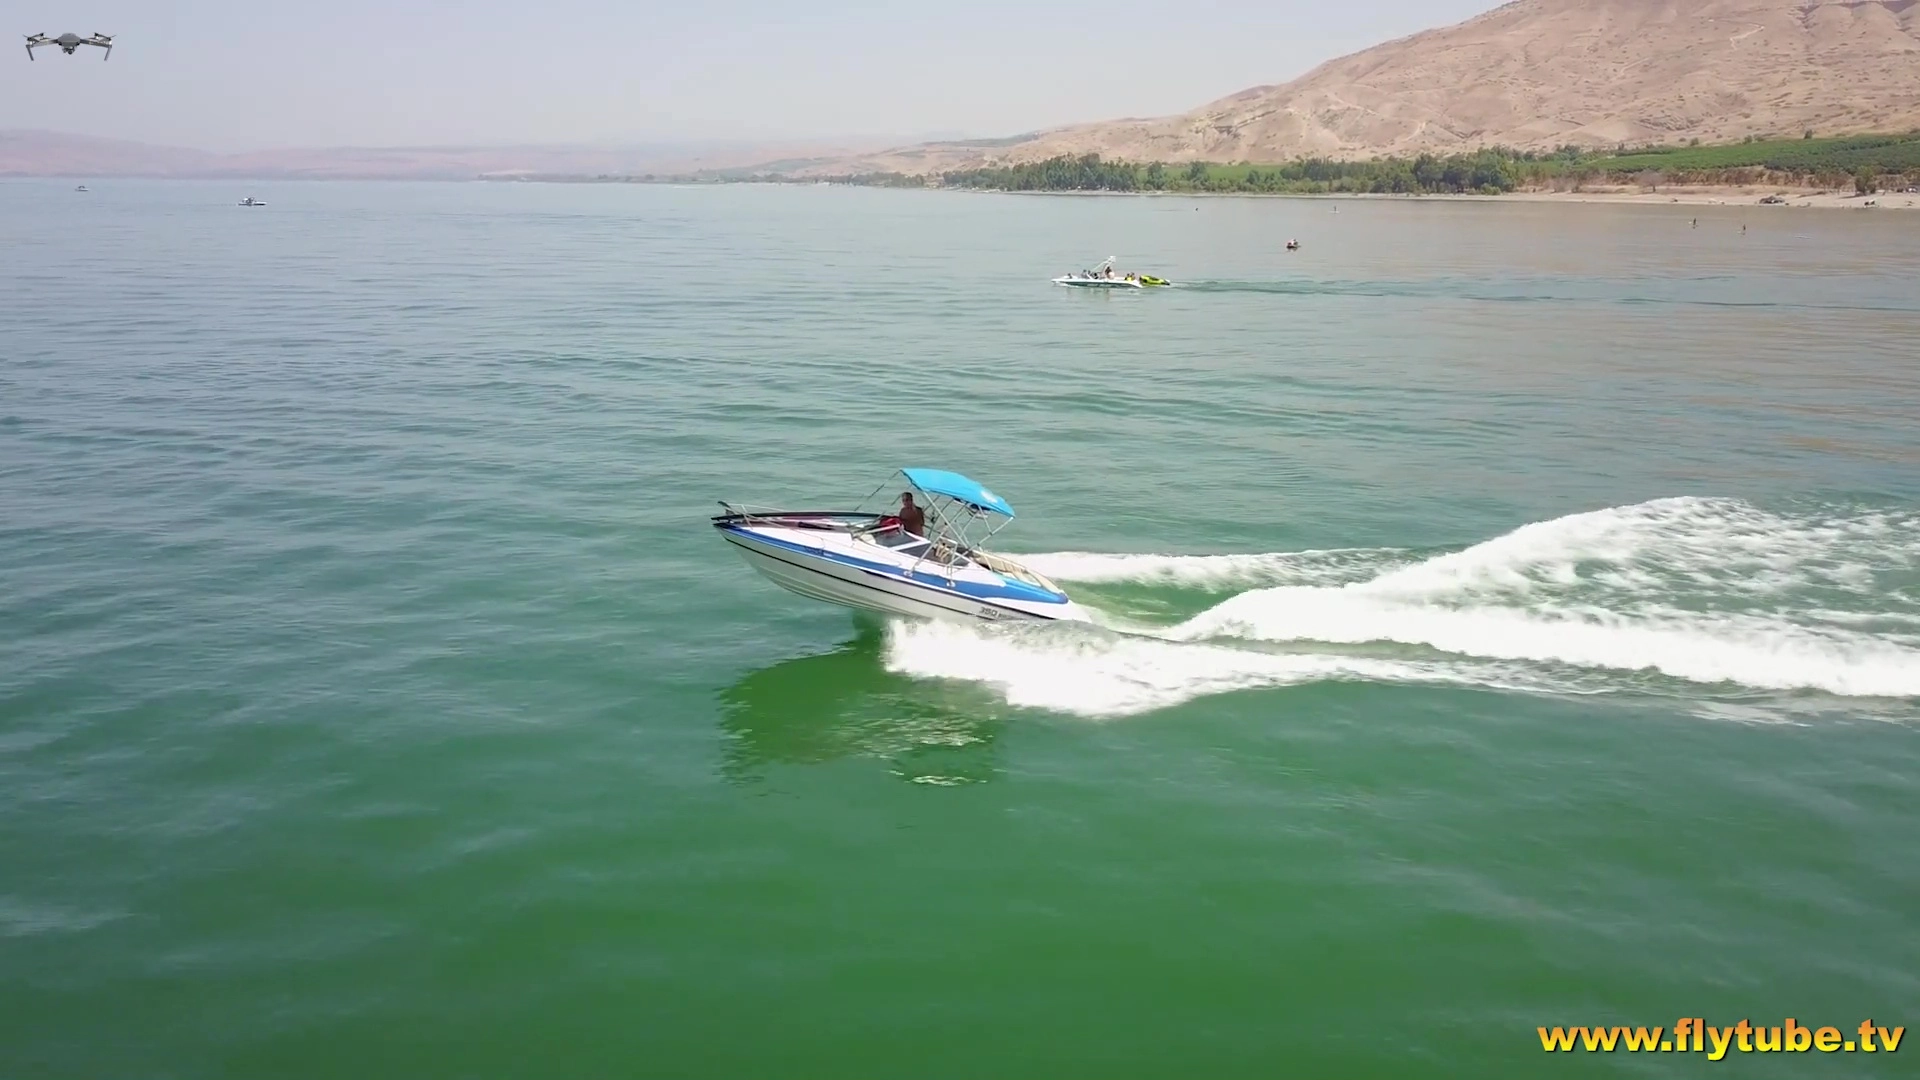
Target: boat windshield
[(918, 549)]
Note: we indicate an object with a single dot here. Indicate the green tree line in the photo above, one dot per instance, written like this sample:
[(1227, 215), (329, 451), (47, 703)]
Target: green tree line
[(1488, 171), (1866, 163)]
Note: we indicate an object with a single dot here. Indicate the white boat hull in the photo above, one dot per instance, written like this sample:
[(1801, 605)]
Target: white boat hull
[(1098, 283), (888, 590)]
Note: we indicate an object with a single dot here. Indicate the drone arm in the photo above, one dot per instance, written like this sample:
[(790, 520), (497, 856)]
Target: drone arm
[(108, 55)]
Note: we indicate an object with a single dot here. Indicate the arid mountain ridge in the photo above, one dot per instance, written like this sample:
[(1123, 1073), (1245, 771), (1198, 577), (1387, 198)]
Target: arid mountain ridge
[(1532, 74)]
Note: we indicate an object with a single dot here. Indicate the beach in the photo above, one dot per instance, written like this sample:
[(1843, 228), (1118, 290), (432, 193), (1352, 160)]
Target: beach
[(1793, 197), (1796, 198)]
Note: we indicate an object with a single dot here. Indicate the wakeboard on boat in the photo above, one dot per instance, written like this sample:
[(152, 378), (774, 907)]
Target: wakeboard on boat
[(1105, 277), (867, 559)]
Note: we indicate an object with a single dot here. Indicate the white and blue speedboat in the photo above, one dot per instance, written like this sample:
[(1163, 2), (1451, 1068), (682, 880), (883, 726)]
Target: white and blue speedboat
[(863, 559)]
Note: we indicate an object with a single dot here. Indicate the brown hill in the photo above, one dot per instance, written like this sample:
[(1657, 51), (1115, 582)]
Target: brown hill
[(1537, 74)]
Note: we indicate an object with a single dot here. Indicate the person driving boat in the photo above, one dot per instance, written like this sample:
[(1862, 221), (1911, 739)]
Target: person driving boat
[(912, 518)]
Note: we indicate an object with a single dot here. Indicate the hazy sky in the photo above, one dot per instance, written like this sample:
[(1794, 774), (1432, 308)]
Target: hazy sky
[(227, 75)]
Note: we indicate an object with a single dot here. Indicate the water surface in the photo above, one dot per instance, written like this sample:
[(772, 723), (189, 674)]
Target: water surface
[(1511, 617)]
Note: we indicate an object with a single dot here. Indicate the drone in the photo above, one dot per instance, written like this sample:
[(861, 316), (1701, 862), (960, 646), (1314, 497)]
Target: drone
[(69, 42)]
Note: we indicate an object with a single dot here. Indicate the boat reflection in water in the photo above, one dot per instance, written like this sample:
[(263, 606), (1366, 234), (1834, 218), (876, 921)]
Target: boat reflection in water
[(845, 704)]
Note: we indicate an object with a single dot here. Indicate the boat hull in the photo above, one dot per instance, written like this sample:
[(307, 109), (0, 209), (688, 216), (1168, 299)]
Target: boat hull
[(884, 590), (1148, 282), (1097, 283)]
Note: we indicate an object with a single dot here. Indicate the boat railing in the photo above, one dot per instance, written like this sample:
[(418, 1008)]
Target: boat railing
[(750, 511), (832, 519)]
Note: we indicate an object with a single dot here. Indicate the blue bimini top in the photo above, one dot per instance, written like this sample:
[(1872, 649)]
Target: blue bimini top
[(955, 486)]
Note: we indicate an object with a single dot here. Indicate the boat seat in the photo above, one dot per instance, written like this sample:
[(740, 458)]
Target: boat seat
[(897, 537)]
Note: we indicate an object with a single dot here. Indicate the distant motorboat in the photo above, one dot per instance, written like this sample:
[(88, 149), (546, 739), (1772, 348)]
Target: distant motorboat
[(1105, 278), (81, 187), (1293, 245), (251, 201)]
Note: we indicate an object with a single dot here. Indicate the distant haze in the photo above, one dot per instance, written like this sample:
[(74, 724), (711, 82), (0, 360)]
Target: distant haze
[(228, 76)]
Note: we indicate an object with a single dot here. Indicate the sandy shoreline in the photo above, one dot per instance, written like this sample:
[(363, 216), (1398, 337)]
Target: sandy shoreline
[(1728, 196), (1796, 198)]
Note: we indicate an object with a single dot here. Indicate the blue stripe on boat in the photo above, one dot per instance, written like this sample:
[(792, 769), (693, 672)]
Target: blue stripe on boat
[(1008, 590)]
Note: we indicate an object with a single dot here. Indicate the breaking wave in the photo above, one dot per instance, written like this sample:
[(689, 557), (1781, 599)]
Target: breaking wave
[(1715, 595)]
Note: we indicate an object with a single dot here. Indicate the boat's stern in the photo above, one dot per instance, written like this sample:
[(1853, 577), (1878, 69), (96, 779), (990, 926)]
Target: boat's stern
[(1064, 610), (1030, 591)]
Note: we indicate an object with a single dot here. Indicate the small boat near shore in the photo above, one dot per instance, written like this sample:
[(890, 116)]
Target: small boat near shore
[(1104, 277), (251, 201), (869, 560)]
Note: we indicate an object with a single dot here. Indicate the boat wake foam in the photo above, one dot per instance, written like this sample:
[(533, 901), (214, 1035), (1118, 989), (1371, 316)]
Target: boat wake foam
[(1687, 595), (1217, 572)]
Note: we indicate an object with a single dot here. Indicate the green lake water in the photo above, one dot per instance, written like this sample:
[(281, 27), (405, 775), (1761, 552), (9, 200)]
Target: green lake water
[(1510, 615)]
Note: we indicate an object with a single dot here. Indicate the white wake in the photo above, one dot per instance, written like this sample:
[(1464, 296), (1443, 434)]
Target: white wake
[(1710, 592)]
